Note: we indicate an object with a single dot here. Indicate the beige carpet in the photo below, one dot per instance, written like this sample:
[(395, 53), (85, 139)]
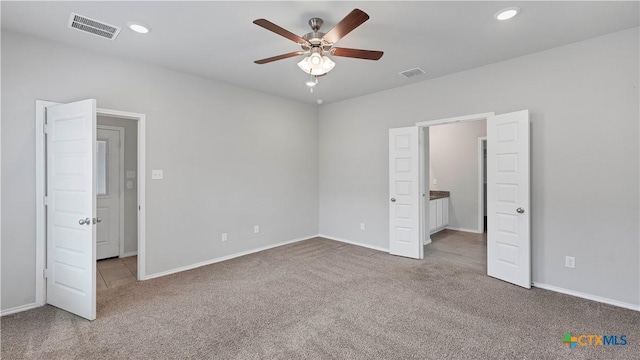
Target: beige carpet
[(320, 299)]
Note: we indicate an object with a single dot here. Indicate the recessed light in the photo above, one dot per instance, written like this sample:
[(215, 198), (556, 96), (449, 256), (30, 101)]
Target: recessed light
[(508, 13), (320, 101), (139, 28)]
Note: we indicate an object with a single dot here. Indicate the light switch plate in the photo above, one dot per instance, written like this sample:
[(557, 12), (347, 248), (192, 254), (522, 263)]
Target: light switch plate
[(129, 184), (157, 174), (131, 174)]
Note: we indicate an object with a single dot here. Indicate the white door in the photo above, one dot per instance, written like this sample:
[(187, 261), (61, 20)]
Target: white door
[(404, 193), (508, 211), (71, 207), (108, 183)]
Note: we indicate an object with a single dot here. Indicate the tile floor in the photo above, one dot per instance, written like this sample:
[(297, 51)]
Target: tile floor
[(115, 272)]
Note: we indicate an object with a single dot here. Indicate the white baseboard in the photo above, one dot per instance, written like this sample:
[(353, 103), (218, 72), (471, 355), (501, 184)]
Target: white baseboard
[(428, 241), (223, 258), (133, 253), (587, 296), (355, 243), (18, 309), (475, 231)]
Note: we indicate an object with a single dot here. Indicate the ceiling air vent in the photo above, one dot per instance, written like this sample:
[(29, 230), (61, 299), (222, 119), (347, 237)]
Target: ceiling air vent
[(412, 72), (95, 27)]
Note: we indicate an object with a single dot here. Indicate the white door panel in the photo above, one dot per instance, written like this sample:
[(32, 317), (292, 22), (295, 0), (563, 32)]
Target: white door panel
[(404, 187), (508, 240), (71, 251), (109, 192), (102, 232)]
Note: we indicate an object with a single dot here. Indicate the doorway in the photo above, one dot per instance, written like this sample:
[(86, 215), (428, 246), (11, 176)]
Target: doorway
[(118, 179), (454, 174), (116, 191), (508, 192), (109, 190), (42, 274)]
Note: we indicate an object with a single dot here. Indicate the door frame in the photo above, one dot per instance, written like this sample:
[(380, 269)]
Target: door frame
[(121, 135), (424, 217), (481, 184), (40, 170)]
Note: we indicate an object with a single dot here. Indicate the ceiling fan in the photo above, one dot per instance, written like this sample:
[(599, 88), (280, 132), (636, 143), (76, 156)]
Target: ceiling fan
[(317, 45)]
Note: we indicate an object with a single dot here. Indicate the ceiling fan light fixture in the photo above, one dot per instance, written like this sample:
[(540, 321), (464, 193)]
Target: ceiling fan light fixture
[(315, 60), (507, 13), (304, 65), (327, 64), (322, 68)]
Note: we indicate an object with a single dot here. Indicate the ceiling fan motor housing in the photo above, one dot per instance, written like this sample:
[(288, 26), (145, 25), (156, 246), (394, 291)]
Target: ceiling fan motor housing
[(315, 23), (315, 37)]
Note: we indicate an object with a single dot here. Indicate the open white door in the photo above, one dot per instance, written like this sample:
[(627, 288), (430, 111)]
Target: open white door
[(508, 240), (71, 207), (404, 193), (108, 190)]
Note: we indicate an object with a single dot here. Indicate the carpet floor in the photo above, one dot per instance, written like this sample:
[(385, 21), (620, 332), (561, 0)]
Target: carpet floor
[(321, 299)]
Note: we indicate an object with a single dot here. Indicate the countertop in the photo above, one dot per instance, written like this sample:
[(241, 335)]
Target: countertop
[(436, 194)]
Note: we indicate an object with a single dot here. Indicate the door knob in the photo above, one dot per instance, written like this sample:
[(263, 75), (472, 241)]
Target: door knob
[(393, 199), (81, 222), (520, 210), (96, 220), (86, 221)]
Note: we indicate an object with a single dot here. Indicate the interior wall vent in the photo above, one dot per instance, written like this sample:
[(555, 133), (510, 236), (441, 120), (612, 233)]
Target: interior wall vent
[(92, 26), (412, 72)]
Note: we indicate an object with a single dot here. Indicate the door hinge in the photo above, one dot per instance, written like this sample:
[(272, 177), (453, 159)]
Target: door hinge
[(44, 128), (46, 201), (45, 273)]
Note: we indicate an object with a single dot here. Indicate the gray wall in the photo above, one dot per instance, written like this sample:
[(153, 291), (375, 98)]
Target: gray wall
[(232, 158), (130, 164), (583, 100), (454, 163)]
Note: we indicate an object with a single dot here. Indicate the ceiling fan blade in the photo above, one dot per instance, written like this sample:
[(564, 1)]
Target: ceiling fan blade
[(280, 31), (279, 57), (346, 25), (357, 53)]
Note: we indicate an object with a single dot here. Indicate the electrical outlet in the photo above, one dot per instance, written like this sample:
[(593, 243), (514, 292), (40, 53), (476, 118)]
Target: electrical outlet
[(224, 236), (570, 262), (435, 181), (157, 174), (362, 226), (256, 229)]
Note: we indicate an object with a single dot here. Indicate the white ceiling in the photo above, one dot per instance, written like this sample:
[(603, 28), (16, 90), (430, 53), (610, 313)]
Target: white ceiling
[(217, 40)]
